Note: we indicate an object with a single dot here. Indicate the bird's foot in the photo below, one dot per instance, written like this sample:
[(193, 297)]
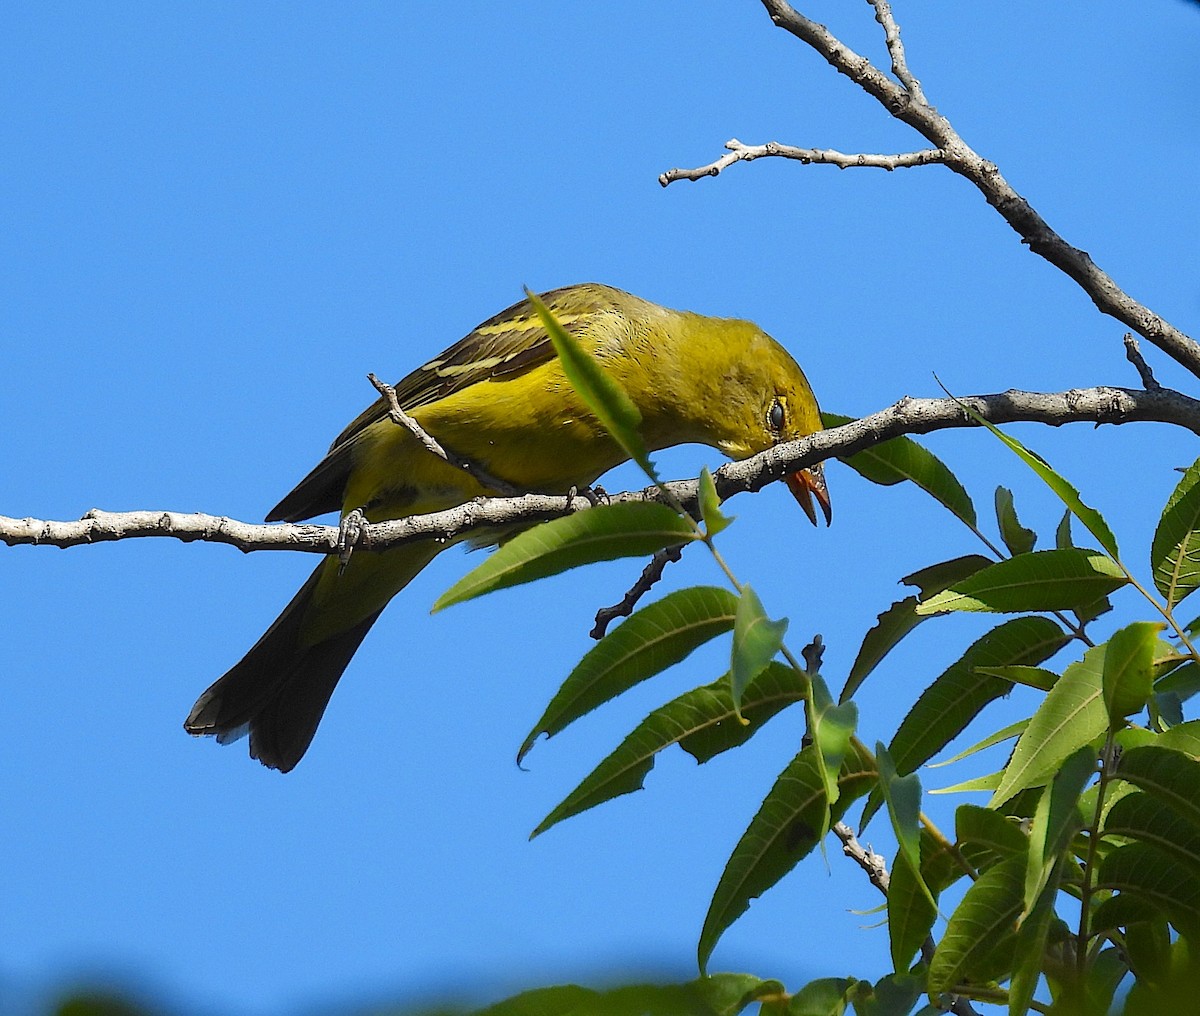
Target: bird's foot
[(596, 495), (350, 534)]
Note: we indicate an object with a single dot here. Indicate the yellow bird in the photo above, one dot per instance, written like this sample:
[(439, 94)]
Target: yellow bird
[(499, 399)]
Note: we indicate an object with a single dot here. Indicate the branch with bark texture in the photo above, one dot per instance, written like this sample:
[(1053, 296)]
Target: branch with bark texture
[(824, 156), (904, 99), (908, 416)]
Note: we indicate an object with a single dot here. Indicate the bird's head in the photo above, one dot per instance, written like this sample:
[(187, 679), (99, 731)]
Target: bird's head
[(768, 401)]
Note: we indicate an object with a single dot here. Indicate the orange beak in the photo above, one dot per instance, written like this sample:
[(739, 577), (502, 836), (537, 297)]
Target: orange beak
[(807, 484)]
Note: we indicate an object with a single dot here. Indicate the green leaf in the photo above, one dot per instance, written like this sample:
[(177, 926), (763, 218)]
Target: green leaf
[(901, 618), (718, 995), (710, 506), (999, 835), (1148, 945), (603, 395), (831, 728), (911, 906), (1185, 738), (911, 911), (781, 834), (1016, 537), (1032, 677), (1031, 943), (1056, 821), (902, 794), (1128, 669), (959, 693), (1005, 734), (894, 995), (1139, 816), (936, 577), (1182, 681), (1175, 550), (604, 533), (1062, 534), (1069, 496), (1170, 776), (1041, 580), (702, 722), (756, 641), (971, 948), (1071, 716), (1154, 879), (824, 997), (901, 459), (651, 639), (989, 782)]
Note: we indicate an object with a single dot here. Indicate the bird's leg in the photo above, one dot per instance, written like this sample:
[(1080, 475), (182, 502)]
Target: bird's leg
[(595, 495), (350, 532)]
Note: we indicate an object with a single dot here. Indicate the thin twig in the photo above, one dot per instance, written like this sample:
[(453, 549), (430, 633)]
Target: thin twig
[(908, 103), (875, 865), (650, 575), (1133, 353), (430, 443), (808, 156), (908, 416), (891, 35)]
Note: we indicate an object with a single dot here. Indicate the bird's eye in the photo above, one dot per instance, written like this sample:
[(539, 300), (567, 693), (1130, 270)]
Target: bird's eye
[(775, 416)]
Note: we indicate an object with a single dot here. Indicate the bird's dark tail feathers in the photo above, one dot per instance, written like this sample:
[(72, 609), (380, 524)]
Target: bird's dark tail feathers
[(279, 690)]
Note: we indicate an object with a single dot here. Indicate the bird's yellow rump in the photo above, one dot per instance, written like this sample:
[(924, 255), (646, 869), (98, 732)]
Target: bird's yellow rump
[(498, 399)]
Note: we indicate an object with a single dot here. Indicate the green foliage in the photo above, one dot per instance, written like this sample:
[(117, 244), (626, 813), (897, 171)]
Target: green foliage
[(1081, 876), (604, 533), (757, 640), (901, 459), (1041, 580), (652, 639)]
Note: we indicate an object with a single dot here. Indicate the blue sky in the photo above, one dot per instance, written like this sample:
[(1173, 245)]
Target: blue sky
[(220, 217)]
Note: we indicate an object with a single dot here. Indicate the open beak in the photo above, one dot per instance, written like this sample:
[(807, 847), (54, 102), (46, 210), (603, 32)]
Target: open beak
[(807, 484)]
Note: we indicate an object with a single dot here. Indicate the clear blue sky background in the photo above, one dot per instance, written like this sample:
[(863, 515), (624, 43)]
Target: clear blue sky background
[(217, 218)]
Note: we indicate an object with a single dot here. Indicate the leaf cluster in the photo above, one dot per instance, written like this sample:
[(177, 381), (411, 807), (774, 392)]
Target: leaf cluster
[(1082, 872)]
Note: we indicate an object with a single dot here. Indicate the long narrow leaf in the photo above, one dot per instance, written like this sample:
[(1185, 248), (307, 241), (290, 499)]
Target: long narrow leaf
[(1031, 944), (1071, 716), (1069, 496), (782, 833), (603, 395), (911, 911), (604, 533), (1056, 821), (651, 639), (902, 617), (901, 459), (1004, 734), (701, 721), (1041, 580), (959, 693), (1175, 549), (972, 946)]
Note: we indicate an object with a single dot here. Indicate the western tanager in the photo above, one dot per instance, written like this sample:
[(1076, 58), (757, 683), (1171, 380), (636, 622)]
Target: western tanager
[(498, 399)]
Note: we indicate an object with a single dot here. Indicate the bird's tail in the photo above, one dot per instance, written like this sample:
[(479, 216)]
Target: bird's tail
[(277, 692)]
